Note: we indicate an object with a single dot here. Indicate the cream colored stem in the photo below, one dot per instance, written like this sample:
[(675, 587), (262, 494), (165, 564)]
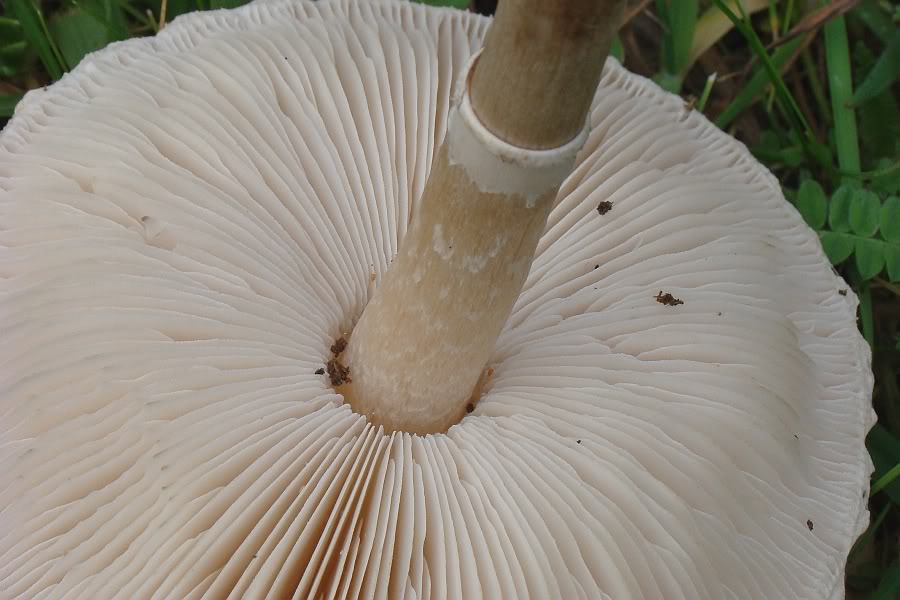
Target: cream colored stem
[(540, 67), (422, 342)]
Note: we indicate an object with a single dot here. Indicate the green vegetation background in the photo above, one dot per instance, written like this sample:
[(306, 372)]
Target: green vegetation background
[(809, 85)]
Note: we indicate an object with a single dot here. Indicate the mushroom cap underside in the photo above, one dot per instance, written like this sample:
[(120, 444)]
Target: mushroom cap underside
[(678, 402)]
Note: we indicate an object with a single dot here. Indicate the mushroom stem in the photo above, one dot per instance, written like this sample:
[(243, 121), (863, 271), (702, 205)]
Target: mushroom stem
[(419, 349), (540, 68)]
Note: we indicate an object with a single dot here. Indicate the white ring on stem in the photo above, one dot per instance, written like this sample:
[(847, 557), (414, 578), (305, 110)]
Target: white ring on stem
[(498, 167)]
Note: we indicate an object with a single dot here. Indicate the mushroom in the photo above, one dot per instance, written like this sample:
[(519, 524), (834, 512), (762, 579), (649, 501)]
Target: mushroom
[(674, 407)]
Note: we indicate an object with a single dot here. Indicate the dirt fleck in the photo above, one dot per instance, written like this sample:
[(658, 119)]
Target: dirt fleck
[(668, 299), (470, 407), (339, 345), (596, 267), (796, 437), (809, 524), (577, 441), (338, 373), (320, 371), (718, 314), (604, 207), (843, 292)]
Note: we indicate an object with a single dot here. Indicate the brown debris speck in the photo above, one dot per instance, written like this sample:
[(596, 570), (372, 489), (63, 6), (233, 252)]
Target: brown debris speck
[(320, 371), (338, 373), (668, 299), (596, 266), (577, 441), (604, 207), (809, 524), (843, 292), (470, 407), (339, 345)]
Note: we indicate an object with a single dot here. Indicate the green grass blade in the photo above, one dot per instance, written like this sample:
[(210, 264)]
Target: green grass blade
[(812, 77), (884, 441), (12, 57), (680, 17), (136, 15), (712, 25), (757, 83), (34, 30), (840, 83), (78, 33), (180, 7), (683, 23), (113, 17), (109, 14), (876, 19), (9, 30), (789, 104), (8, 104), (885, 72), (886, 479), (878, 118)]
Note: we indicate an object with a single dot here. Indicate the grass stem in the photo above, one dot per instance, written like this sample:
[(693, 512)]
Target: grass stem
[(840, 84)]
